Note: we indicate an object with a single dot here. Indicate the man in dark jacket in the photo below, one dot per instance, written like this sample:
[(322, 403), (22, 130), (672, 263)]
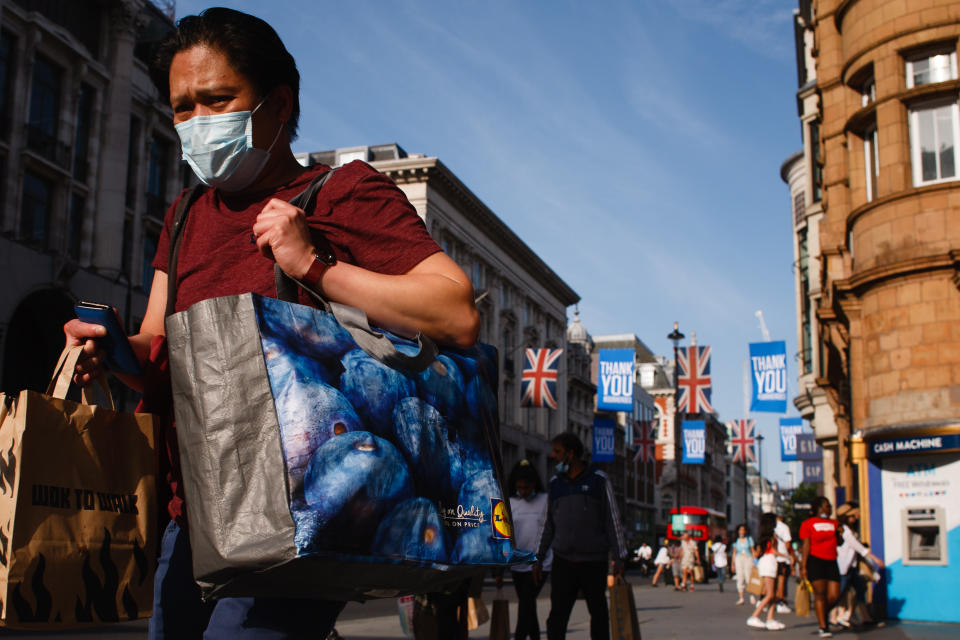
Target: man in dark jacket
[(583, 527)]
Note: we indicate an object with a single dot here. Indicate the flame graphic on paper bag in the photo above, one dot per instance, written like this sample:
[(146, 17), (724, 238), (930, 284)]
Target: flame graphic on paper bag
[(101, 597), (8, 469), (41, 595)]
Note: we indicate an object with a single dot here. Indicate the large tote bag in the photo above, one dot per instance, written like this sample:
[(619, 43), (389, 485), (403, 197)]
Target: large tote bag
[(322, 458), (77, 508)]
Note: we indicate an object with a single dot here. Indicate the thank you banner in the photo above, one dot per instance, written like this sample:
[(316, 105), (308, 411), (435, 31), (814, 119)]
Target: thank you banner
[(768, 363), (813, 471), (807, 448), (604, 439), (615, 380), (694, 442), (790, 428)]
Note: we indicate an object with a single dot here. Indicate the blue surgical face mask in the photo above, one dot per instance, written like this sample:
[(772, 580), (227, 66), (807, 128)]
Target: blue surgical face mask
[(219, 148), (562, 467)]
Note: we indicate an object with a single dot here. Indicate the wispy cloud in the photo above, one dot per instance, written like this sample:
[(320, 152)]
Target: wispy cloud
[(757, 24)]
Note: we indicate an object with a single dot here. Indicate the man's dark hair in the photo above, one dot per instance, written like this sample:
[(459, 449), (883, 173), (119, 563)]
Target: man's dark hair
[(569, 441), (250, 45)]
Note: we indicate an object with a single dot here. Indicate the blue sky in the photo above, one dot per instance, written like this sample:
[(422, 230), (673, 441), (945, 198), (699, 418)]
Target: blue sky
[(635, 146)]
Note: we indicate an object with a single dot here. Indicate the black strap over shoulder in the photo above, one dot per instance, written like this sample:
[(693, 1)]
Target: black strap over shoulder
[(305, 200), (176, 233)]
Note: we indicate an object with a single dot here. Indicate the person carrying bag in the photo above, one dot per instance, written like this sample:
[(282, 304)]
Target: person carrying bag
[(234, 94), (77, 507)]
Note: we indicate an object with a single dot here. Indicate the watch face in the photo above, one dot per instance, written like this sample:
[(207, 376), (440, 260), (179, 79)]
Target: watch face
[(326, 257)]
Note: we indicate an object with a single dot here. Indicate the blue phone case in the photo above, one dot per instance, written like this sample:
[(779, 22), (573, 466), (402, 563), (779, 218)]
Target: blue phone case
[(120, 356)]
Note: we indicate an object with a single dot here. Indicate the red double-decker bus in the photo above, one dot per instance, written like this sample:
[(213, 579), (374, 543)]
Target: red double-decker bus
[(702, 524)]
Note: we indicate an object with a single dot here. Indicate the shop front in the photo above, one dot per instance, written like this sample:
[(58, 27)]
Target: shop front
[(910, 484)]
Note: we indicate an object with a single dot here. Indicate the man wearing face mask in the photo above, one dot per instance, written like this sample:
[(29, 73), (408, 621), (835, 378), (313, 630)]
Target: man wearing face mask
[(234, 91), (584, 530)]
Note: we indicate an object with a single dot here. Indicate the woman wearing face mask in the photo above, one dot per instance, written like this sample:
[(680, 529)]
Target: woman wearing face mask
[(818, 562), (234, 91), (528, 505)]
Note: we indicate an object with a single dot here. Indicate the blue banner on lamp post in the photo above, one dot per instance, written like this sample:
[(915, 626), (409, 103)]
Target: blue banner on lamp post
[(694, 442), (768, 364), (604, 439), (615, 380)]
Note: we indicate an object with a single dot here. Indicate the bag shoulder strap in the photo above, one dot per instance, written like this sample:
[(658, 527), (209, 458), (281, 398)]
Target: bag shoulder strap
[(305, 200), (176, 234)]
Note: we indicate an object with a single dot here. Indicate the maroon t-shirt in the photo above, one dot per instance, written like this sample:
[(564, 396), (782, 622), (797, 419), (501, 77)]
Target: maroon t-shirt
[(361, 213), (367, 220)]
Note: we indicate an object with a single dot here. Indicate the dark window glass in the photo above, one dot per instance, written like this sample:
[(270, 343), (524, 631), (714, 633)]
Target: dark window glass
[(150, 240), (126, 253), (75, 229), (133, 162), (816, 161), (157, 178), (806, 328), (44, 109), (81, 146), (35, 209), (7, 68)]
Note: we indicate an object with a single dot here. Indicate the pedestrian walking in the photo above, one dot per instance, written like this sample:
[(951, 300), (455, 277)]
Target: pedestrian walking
[(719, 551), (689, 558), (584, 530), (766, 552), (742, 559), (644, 554), (785, 560), (852, 585), (661, 562), (818, 560), (528, 504), (234, 92), (675, 570)]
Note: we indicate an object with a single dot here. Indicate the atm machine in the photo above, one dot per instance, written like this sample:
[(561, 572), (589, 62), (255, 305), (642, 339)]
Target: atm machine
[(924, 536)]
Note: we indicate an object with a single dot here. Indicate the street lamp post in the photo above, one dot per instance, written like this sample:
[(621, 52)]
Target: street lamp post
[(675, 336), (760, 470)]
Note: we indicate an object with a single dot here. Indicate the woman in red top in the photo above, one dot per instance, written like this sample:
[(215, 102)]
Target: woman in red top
[(819, 560)]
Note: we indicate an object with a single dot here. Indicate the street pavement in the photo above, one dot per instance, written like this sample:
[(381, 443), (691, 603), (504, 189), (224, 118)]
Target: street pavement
[(663, 614)]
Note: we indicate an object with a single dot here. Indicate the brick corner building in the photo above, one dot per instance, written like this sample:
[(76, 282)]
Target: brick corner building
[(881, 163)]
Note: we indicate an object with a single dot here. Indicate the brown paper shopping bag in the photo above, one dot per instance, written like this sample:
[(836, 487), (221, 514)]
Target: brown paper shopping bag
[(755, 583), (500, 617), (623, 612), (77, 508)]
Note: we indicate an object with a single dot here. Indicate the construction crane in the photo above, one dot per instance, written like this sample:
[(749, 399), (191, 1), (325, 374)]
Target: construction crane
[(763, 325)]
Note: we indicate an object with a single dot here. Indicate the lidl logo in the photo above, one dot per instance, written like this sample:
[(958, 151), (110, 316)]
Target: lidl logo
[(500, 520)]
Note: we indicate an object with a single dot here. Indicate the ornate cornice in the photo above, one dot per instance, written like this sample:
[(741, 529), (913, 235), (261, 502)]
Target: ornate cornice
[(438, 177)]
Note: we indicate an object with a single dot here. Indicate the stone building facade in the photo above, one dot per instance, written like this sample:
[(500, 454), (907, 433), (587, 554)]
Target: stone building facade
[(522, 302), (88, 165), (884, 160)]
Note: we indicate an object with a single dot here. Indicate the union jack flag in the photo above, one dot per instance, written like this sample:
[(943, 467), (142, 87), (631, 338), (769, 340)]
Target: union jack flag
[(643, 441), (743, 441), (694, 380), (539, 379)]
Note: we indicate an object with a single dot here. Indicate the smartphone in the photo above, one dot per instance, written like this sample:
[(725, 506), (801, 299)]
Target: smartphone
[(120, 356)]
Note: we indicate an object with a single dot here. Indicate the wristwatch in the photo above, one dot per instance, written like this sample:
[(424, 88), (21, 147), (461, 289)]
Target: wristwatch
[(323, 259)]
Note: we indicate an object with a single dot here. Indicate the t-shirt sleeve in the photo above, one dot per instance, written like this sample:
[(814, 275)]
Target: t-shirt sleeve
[(370, 223), (804, 530)]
